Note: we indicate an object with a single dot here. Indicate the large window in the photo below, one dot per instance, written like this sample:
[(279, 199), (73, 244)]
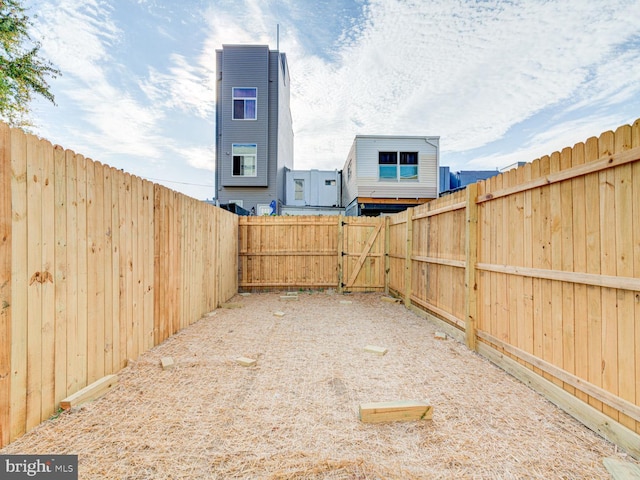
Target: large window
[(397, 166), (244, 159), (245, 103)]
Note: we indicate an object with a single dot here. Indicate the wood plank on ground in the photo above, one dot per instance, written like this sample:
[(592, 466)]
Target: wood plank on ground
[(377, 350), (400, 410), (90, 392), (390, 299), (621, 470), (167, 363), (231, 305), (246, 362)]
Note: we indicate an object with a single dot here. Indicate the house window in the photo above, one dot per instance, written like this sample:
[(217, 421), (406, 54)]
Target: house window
[(299, 189), (244, 103), (408, 166), (244, 159), (398, 166), (329, 183), (388, 165)]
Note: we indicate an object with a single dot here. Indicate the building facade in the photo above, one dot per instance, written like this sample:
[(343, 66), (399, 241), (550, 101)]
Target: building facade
[(254, 132), (453, 181), (388, 173)]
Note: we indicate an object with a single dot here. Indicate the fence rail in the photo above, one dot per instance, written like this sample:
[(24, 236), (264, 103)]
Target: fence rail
[(97, 266)]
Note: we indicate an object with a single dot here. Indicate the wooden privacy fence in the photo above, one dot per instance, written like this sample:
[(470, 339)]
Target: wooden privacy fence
[(538, 269), (316, 252), (96, 267), (540, 266)]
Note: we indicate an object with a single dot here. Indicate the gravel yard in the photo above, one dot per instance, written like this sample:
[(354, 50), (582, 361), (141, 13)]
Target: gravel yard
[(294, 415)]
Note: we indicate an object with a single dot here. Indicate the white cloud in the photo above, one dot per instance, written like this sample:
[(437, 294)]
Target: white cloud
[(77, 37), (186, 87), (467, 72), (199, 157)]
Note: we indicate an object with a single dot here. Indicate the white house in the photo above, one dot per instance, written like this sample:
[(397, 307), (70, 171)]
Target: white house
[(388, 173), (312, 192)]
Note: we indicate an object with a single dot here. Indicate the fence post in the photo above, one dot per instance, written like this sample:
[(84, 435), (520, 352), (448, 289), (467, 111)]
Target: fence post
[(340, 253), (407, 268), (471, 253)]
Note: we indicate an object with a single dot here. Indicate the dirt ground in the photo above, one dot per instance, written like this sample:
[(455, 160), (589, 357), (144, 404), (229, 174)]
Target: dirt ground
[(295, 414)]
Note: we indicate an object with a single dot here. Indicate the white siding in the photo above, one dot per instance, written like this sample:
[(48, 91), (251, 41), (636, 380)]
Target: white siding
[(316, 192), (349, 185), (366, 183)]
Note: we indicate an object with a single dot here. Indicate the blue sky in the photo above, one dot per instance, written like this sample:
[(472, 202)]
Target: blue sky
[(498, 81)]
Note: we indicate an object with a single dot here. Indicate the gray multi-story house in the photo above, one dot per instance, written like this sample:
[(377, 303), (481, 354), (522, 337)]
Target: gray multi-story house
[(254, 133)]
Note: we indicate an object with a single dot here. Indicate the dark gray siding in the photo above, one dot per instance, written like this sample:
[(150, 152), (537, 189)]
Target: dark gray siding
[(253, 66), (244, 66)]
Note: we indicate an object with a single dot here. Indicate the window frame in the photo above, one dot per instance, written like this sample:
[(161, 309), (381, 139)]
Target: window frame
[(397, 160), (244, 156), (298, 189), (244, 99)]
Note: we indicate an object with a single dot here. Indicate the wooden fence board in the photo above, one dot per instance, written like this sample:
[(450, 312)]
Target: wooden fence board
[(118, 355), (512, 256), (635, 142), (580, 265), (35, 274), (149, 265), (138, 278), (133, 271), (594, 308), (527, 327), (19, 284), (555, 247), (5, 283), (546, 286), (624, 267), (47, 269), (518, 247), (608, 267), (107, 274), (158, 262), (71, 303), (567, 318), (95, 334), (126, 266), (81, 360)]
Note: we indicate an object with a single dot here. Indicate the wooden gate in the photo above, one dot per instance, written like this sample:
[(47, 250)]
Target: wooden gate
[(361, 261)]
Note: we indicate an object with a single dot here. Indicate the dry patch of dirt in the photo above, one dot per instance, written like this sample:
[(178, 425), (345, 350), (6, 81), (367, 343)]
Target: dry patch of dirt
[(295, 414)]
